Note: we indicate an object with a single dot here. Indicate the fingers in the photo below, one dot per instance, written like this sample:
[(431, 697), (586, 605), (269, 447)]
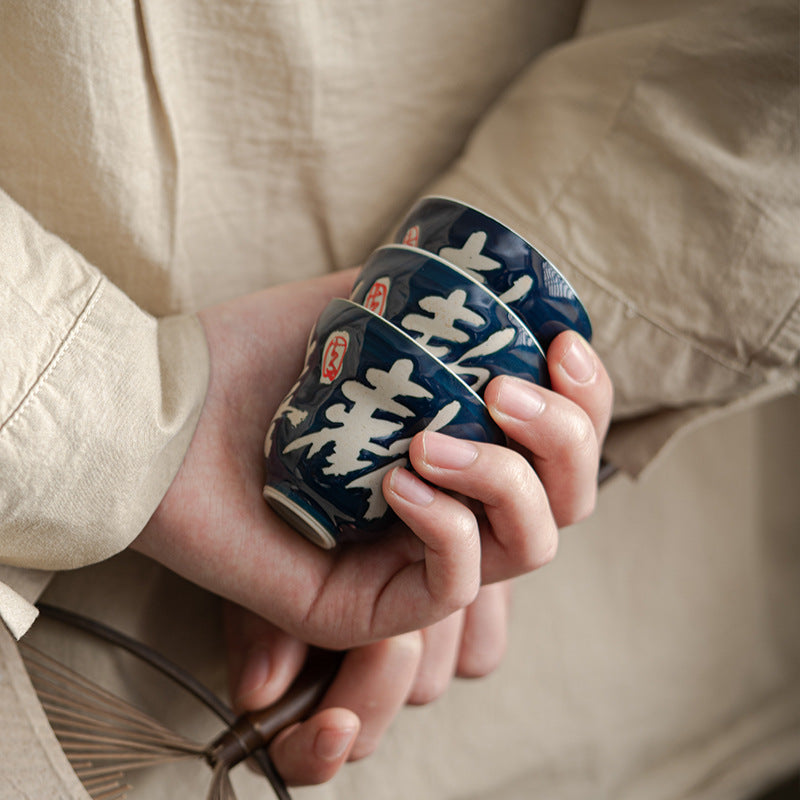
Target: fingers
[(560, 438), (563, 429), (468, 644), (578, 374), (374, 682), (262, 659), (485, 636), (447, 577), (520, 502), (522, 534), (371, 687), (262, 662), (313, 751), (525, 500), (401, 583), (441, 645)]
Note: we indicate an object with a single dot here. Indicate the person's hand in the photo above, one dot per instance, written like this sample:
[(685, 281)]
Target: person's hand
[(372, 684), (519, 497), (377, 679), (214, 527)]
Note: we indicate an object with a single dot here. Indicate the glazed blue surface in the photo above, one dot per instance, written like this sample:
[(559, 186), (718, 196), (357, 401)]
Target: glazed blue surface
[(451, 315), (511, 267), (366, 389)]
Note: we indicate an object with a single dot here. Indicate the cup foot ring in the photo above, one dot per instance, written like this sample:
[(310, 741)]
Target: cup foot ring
[(299, 517)]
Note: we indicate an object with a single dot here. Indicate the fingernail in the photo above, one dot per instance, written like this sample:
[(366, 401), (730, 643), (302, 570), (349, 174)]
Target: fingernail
[(446, 452), (411, 488), (331, 743), (255, 671), (519, 399), (578, 362)]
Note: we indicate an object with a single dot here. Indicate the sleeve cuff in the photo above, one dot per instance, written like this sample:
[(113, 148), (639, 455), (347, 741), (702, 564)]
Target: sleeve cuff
[(101, 434)]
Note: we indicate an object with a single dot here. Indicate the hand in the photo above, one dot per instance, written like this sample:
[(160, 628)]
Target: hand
[(214, 528), (373, 683), (517, 498)]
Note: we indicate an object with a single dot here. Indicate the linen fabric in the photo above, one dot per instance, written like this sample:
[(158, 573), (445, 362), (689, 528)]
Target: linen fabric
[(159, 157)]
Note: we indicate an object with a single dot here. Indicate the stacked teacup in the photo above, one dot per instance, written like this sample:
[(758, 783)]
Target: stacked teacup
[(431, 320)]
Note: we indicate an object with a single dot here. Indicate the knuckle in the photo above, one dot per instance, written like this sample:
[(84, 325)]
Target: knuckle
[(548, 553), (582, 509), (582, 440), (531, 541), (460, 596), (429, 690), (405, 647), (485, 642), (540, 550), (464, 527), (420, 697), (512, 477), (457, 579), (481, 663)]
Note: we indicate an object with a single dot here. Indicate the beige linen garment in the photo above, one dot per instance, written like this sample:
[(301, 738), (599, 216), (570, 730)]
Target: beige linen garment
[(159, 157)]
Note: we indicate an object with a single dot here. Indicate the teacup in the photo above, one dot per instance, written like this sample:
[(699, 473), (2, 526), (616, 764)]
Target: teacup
[(450, 314), (366, 389), (497, 256)]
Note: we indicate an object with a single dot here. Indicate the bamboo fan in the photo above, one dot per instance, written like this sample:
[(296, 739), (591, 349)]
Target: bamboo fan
[(105, 737)]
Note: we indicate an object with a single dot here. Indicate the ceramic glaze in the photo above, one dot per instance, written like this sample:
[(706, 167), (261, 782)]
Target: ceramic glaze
[(451, 315), (367, 388), (501, 259)]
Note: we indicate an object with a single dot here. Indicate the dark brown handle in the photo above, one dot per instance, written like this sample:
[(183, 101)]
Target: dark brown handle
[(256, 729)]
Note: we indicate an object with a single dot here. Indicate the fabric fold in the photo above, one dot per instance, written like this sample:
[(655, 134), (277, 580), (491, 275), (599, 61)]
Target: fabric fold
[(98, 406), (682, 184)]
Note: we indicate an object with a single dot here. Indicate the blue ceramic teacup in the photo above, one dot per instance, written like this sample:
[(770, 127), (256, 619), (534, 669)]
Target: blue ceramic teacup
[(366, 389), (497, 256), (450, 314)]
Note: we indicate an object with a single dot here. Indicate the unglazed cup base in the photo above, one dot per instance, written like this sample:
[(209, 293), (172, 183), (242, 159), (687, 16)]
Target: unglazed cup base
[(293, 511)]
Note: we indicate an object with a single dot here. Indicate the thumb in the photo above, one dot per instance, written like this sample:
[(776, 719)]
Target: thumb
[(262, 659)]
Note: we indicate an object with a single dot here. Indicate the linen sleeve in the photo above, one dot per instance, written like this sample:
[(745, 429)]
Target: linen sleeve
[(655, 162), (98, 403)]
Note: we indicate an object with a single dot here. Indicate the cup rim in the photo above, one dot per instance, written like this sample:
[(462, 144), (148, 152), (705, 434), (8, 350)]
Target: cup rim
[(450, 265), (344, 302), (477, 210)]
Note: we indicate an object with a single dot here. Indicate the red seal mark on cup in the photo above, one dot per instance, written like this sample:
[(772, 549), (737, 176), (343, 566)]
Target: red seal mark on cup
[(333, 356), (376, 297), (412, 236)]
